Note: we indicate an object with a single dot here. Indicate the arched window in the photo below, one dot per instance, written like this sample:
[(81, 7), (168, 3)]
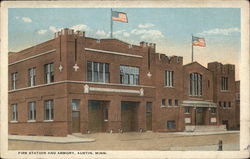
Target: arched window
[(195, 84)]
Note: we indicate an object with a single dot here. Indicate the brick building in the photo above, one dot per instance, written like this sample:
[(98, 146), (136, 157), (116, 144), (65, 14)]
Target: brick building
[(74, 83)]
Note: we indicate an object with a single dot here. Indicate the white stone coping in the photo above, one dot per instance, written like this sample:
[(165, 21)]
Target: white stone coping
[(31, 57), (112, 52)]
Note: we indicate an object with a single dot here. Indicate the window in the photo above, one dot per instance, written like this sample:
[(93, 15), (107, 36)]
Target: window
[(176, 102), (75, 104), (49, 73), (186, 110), (171, 124), (208, 83), (169, 78), (129, 75), (237, 96), (14, 80), (14, 112), (229, 104), (106, 114), (149, 107), (170, 102), (225, 104), (31, 77), (163, 102), (220, 104), (48, 110), (97, 72), (195, 88), (32, 111), (224, 83), (213, 110)]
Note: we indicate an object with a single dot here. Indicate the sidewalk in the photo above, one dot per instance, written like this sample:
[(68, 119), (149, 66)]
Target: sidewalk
[(51, 139), (205, 133)]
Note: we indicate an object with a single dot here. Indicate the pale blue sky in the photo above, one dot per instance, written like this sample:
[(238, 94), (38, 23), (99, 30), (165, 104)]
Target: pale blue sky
[(169, 28)]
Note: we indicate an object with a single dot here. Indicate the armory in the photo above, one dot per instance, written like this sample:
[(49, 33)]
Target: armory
[(75, 83)]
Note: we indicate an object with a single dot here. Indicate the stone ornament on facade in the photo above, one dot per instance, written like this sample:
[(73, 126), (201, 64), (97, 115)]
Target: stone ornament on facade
[(75, 67), (86, 88), (141, 92), (60, 68), (149, 74)]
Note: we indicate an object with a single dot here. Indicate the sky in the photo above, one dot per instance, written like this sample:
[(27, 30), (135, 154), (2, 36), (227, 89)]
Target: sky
[(170, 28)]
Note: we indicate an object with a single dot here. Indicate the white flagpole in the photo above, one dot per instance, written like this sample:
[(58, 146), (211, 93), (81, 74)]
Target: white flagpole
[(192, 56), (111, 26)]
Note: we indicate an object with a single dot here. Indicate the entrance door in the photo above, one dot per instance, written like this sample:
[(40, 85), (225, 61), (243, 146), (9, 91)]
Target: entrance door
[(128, 116), (75, 121), (149, 115), (200, 116), (75, 115), (225, 122)]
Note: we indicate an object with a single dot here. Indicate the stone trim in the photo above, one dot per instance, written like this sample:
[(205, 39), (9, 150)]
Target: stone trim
[(112, 52)]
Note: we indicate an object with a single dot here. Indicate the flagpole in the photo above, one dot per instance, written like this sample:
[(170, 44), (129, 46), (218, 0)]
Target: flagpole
[(192, 50), (111, 26)]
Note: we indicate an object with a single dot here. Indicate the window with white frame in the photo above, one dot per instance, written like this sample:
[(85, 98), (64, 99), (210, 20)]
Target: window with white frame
[(169, 102), (32, 110), (224, 83), (171, 124), (49, 110), (169, 78), (32, 77), (163, 102), (129, 75), (14, 80), (97, 72), (176, 102), (14, 116), (49, 73), (186, 110), (75, 103), (195, 86)]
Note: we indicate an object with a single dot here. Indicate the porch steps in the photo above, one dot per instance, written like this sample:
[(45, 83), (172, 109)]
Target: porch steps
[(205, 128)]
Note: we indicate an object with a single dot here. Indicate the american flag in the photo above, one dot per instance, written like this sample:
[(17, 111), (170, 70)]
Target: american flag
[(196, 41), (119, 16)]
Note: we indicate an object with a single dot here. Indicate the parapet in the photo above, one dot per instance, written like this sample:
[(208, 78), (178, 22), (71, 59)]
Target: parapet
[(163, 58), (68, 31), (145, 44), (219, 67)]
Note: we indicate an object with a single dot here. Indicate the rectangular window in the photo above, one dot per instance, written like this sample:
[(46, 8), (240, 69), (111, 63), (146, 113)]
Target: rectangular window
[(14, 80), (75, 104), (229, 104), (225, 104), (49, 110), (32, 77), (97, 72), (14, 116), (170, 102), (213, 110), (149, 107), (224, 83), (106, 114), (176, 102), (163, 102), (186, 110), (220, 104), (195, 84), (49, 73), (32, 111), (171, 124), (169, 78), (129, 75)]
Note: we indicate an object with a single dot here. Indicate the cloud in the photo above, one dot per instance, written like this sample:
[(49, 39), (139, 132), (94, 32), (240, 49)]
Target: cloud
[(218, 31), (126, 34), (148, 34), (26, 19), (42, 31), (102, 34), (54, 29), (80, 27), (17, 17), (148, 25)]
